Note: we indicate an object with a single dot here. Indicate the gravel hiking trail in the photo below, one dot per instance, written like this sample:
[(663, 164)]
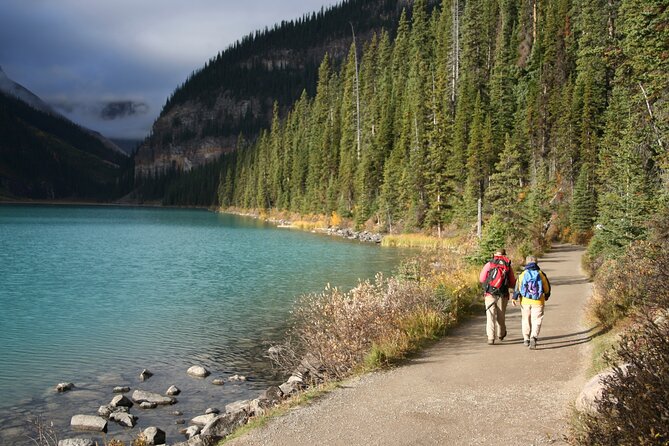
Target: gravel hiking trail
[(461, 391)]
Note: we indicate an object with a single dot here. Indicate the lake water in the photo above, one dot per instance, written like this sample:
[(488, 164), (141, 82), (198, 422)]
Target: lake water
[(92, 295)]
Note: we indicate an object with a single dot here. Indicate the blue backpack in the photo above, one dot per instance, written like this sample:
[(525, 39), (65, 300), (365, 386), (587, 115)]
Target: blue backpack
[(532, 287)]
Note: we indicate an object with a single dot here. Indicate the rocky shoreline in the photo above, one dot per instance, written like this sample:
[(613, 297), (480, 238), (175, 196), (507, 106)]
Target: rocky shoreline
[(335, 231), (205, 429)]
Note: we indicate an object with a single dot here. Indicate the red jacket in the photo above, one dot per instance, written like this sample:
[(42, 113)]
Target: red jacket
[(487, 266)]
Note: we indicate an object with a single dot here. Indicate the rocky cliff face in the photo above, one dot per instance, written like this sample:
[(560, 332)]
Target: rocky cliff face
[(235, 92)]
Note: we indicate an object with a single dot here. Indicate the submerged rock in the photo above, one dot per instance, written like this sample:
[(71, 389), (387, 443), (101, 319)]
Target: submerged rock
[(121, 389), (147, 405), (146, 374), (218, 381), (64, 387), (237, 378)]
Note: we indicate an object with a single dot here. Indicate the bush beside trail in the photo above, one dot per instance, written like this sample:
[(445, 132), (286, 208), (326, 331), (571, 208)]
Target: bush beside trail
[(383, 320), (634, 406)]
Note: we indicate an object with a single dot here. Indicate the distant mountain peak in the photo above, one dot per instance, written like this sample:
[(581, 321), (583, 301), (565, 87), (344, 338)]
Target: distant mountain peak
[(18, 91), (12, 88)]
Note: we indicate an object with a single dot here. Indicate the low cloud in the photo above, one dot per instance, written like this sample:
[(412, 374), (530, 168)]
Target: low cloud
[(122, 109)]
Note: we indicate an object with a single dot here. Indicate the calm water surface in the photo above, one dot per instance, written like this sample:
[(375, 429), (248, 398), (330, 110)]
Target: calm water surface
[(92, 295)]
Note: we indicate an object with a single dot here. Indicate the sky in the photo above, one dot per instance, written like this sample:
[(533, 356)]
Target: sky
[(110, 65)]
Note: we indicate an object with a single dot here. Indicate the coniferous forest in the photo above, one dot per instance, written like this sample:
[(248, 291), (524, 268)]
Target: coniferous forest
[(553, 114)]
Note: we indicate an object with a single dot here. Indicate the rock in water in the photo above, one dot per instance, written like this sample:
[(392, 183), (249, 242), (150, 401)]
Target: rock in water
[(77, 442), (198, 371), (154, 436), (88, 423), (146, 374), (147, 405), (64, 387), (173, 390), (124, 419), (121, 389), (121, 400), (139, 396)]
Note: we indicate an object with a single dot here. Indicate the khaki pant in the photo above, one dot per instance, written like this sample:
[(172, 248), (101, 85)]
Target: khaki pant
[(495, 315), (532, 316)]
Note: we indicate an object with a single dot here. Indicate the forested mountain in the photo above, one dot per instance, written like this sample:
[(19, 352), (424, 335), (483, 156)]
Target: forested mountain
[(553, 113), (235, 91), (45, 156)]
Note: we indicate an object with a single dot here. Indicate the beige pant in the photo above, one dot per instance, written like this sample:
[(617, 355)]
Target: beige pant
[(495, 315), (532, 316)]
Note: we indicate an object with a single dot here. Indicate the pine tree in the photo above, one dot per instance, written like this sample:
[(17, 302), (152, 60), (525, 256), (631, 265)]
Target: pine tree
[(583, 207)]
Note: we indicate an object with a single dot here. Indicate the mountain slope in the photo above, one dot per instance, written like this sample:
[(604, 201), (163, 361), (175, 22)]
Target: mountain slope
[(235, 91), (45, 156)]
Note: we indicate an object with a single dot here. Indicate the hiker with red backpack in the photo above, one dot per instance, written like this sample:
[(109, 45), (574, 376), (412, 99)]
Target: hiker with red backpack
[(534, 289), (497, 278)]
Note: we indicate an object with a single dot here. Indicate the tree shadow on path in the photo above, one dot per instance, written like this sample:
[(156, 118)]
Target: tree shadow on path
[(570, 340)]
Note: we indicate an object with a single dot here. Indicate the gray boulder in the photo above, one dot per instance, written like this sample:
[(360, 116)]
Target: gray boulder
[(145, 374), (197, 441), (154, 436), (173, 390), (124, 419), (147, 405), (202, 420), (192, 431), (593, 391), (88, 423), (121, 400), (244, 405), (105, 411), (218, 381), (64, 387), (223, 425), (121, 389), (212, 410), (238, 378), (289, 388), (198, 371), (77, 442), (139, 396), (272, 394)]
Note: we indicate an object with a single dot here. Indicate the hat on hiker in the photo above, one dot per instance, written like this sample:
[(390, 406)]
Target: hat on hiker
[(500, 252)]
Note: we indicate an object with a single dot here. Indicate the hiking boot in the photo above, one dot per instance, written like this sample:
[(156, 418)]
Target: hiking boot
[(491, 341), (526, 342), (501, 338), (533, 344)]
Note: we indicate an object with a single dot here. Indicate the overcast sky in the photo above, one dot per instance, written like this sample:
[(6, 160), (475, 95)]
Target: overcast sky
[(110, 64)]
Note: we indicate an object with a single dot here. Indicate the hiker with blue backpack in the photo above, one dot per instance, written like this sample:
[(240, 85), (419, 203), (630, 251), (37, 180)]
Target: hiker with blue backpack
[(497, 279), (534, 289)]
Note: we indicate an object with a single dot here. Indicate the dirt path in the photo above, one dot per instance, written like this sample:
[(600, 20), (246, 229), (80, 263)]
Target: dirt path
[(462, 391)]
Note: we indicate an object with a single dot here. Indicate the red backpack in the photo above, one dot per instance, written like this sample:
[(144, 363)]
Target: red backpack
[(497, 281)]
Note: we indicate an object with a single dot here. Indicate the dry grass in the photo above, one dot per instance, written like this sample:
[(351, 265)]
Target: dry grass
[(383, 320)]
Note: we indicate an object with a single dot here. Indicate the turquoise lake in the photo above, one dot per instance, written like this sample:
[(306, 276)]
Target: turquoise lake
[(93, 295)]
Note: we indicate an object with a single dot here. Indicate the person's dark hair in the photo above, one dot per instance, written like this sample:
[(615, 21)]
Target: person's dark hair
[(500, 252)]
